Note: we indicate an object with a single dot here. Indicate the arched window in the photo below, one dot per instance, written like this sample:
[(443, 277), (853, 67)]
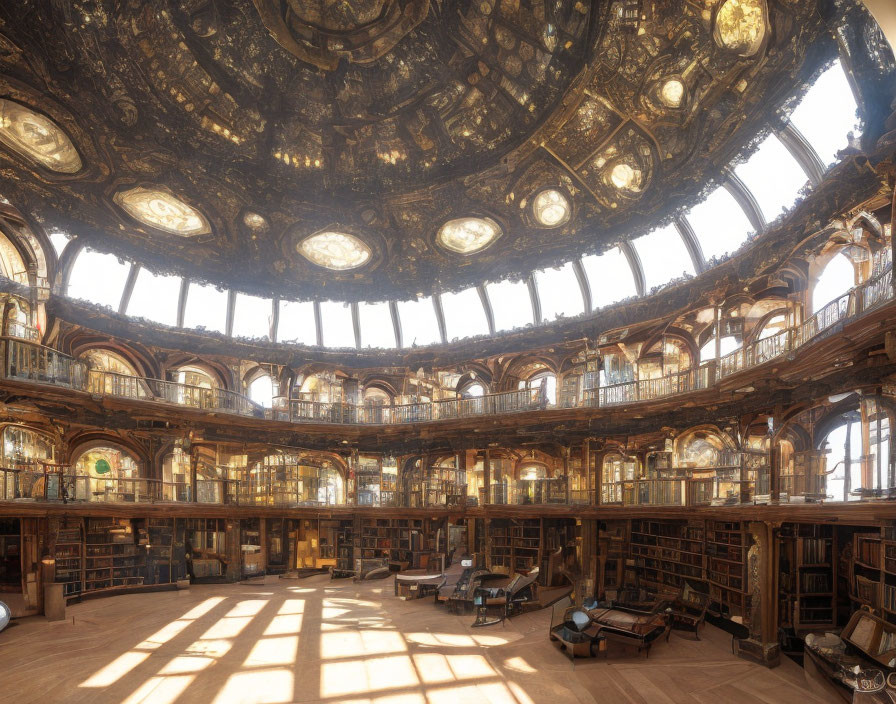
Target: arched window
[(837, 278), (773, 326), (664, 358), (194, 376), (12, 266), (535, 470), (617, 469), (176, 477), (261, 390), (24, 448), (108, 473), (112, 375), (857, 453), (107, 361), (331, 489), (545, 383), (472, 389), (727, 345)]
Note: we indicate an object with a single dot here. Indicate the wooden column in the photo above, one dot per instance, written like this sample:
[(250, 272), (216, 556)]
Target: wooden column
[(762, 645), (487, 476), (194, 472), (589, 560), (565, 452)]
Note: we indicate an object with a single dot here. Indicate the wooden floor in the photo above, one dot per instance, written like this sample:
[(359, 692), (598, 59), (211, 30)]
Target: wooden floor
[(317, 640)]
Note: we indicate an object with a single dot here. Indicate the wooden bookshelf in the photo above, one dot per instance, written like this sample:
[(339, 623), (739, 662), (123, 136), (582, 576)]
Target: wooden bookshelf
[(69, 557), (515, 544), (668, 553), (727, 544), (867, 576), (397, 539), (815, 577)]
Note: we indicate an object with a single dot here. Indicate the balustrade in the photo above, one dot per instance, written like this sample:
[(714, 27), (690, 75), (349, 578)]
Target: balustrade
[(25, 360)]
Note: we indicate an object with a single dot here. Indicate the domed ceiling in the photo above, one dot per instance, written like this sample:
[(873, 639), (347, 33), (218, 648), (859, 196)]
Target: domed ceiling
[(374, 149)]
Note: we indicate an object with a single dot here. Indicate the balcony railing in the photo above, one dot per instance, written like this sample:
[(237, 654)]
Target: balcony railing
[(28, 361), (140, 388)]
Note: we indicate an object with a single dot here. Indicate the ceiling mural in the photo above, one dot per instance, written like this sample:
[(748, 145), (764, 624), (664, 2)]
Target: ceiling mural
[(375, 149)]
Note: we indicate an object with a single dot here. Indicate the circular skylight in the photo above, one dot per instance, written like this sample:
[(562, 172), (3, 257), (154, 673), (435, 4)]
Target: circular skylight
[(624, 177), (551, 208), (255, 221), (468, 235), (335, 250), (672, 93), (38, 138), (163, 211)]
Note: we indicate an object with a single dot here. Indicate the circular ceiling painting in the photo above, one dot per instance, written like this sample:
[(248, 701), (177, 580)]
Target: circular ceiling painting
[(334, 250), (163, 211), (38, 138), (468, 235)]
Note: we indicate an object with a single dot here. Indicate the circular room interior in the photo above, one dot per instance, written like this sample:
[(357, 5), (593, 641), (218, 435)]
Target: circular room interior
[(508, 351)]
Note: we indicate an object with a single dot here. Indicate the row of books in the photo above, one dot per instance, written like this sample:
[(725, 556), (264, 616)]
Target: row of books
[(815, 550)]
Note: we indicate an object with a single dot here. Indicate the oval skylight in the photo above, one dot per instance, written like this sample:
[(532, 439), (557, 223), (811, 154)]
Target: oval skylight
[(468, 235), (162, 211), (338, 251), (38, 138), (741, 26), (551, 208)]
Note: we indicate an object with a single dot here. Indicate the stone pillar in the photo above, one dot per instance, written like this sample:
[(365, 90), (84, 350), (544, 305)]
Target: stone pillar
[(761, 645)]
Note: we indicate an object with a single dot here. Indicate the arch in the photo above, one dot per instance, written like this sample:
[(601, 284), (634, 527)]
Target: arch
[(139, 358), (703, 447), (219, 373), (108, 470)]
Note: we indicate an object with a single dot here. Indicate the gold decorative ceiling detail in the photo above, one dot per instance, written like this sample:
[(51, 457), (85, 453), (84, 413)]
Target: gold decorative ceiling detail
[(162, 211), (741, 26), (321, 32), (405, 115), (38, 138)]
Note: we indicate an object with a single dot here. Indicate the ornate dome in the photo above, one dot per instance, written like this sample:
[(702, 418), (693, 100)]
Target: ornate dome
[(257, 125)]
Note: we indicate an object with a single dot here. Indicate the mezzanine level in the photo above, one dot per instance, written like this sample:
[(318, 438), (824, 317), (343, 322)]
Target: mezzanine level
[(24, 360)]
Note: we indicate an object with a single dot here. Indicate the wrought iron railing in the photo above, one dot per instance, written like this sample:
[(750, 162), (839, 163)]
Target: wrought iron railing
[(28, 361)]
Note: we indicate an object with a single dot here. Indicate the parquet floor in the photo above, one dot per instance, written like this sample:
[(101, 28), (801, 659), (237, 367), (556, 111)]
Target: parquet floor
[(317, 640)]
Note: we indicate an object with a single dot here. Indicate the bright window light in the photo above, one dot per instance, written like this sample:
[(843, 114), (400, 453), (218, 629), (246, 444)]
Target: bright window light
[(418, 322), (59, 240), (559, 293), (206, 308), (464, 314), (155, 297), (261, 390), (336, 319), (727, 345), (663, 256), (296, 323), (720, 224), (827, 114), (773, 327), (610, 277), (511, 304), (252, 317), (98, 278), (837, 278), (773, 176), (376, 325)]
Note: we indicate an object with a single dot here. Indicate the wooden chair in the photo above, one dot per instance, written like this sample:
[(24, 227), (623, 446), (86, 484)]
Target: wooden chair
[(689, 611)]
